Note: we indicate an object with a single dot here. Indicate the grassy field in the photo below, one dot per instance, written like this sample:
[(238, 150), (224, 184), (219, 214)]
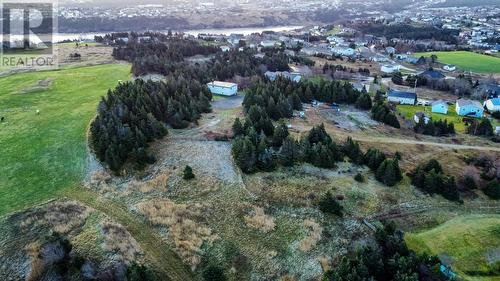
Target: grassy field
[(46, 152), (470, 243), (409, 111), (467, 61)]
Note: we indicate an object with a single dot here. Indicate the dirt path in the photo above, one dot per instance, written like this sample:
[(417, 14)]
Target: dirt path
[(388, 140), (166, 262)]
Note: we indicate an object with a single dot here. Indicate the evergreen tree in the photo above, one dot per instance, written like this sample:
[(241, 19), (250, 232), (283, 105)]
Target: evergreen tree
[(188, 173), (238, 129), (330, 205)]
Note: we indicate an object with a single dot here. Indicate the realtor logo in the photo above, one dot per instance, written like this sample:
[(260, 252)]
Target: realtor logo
[(27, 33)]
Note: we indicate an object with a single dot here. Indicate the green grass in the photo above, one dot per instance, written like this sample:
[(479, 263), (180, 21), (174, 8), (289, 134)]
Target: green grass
[(467, 241), (42, 154), (408, 111), (467, 61)]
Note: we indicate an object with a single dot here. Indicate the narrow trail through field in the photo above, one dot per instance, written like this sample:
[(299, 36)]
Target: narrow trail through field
[(388, 140), (157, 252)]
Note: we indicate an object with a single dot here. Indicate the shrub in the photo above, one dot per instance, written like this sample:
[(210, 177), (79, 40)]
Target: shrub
[(330, 205), (188, 173), (359, 177), (492, 190), (214, 273)]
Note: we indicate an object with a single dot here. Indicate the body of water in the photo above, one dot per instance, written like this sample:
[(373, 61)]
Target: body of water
[(58, 37)]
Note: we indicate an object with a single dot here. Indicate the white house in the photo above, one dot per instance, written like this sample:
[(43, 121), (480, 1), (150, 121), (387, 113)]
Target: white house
[(390, 68), (225, 48), (493, 104), (293, 76), (223, 88), (268, 43), (348, 52), (400, 97), (390, 50), (419, 115), (449, 67)]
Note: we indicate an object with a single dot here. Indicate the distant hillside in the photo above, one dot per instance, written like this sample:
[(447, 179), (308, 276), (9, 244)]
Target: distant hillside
[(467, 3)]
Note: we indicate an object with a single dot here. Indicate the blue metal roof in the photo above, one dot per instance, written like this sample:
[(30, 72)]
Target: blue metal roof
[(433, 74), (495, 101), (401, 94)]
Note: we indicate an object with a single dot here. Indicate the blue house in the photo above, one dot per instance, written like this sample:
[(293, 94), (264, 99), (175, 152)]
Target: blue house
[(469, 108), (440, 107), (401, 97), (223, 88)]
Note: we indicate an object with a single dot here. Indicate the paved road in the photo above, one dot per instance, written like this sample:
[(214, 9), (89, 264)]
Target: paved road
[(416, 142)]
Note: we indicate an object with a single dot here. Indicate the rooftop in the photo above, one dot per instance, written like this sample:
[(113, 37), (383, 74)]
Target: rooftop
[(401, 94), (222, 84), (464, 102)]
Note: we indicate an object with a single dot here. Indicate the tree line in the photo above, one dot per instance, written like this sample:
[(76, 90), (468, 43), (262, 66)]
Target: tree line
[(437, 128), (430, 178), (387, 259), (281, 97), (136, 113)]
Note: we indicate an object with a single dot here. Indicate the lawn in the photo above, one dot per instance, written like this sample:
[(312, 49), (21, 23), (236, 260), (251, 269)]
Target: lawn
[(41, 154), (408, 111), (467, 61), (470, 243)]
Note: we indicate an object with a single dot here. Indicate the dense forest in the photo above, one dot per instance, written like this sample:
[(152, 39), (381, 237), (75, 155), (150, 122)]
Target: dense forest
[(136, 113), (165, 54), (281, 97), (406, 31), (387, 258)]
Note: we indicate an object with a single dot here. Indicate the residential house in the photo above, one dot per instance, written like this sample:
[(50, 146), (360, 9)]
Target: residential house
[(440, 106), (347, 52), (390, 68), (449, 67), (432, 74), (225, 48), (293, 76), (223, 88), (421, 116), (470, 108), (360, 86), (268, 43), (401, 97), (390, 50), (493, 105)]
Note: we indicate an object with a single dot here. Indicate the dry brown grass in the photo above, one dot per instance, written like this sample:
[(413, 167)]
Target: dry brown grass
[(260, 220), (287, 278), (159, 183), (118, 240), (308, 243), (36, 264), (185, 231), (61, 217), (326, 263)]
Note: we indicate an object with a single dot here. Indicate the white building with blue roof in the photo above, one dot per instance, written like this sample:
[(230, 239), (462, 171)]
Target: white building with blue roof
[(493, 105), (401, 97)]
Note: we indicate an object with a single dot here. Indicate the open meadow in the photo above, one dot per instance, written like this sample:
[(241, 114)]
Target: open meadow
[(46, 152), (467, 61), (468, 243)]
